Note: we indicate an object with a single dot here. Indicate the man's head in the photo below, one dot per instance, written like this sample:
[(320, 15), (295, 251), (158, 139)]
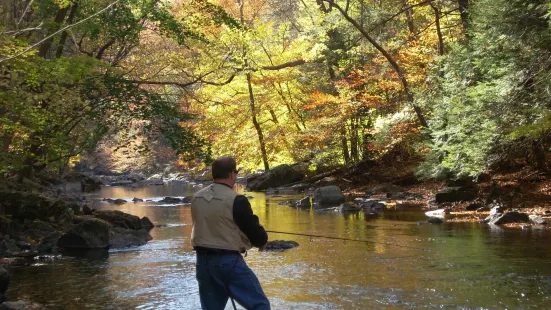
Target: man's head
[(224, 169)]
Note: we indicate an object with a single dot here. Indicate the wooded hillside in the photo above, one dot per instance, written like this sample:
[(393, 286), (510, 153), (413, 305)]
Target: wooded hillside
[(461, 84)]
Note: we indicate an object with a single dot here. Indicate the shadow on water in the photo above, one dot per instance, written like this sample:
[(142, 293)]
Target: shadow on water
[(89, 255)]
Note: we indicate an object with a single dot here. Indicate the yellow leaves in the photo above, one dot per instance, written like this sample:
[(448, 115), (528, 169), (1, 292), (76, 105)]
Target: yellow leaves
[(63, 3)]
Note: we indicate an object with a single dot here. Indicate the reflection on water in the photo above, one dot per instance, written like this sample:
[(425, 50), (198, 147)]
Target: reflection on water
[(403, 265)]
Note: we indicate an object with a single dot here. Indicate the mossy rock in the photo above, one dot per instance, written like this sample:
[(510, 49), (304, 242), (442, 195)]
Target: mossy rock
[(31, 206)]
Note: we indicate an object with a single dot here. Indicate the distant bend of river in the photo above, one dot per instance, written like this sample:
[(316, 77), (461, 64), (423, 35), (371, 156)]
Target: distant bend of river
[(402, 266)]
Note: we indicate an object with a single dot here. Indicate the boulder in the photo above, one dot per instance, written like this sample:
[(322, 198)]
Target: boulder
[(117, 201), (38, 229), (9, 247), (370, 203), (86, 210), (473, 206), (346, 207), (278, 176), (23, 205), (303, 203), (187, 199), (146, 223), (536, 219), (452, 194), (137, 199), (89, 184), (280, 245), (49, 243), (328, 196), (509, 217), (119, 219), (75, 207), (123, 238), (90, 234), (171, 200)]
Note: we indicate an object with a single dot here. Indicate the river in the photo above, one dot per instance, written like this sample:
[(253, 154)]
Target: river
[(402, 266)]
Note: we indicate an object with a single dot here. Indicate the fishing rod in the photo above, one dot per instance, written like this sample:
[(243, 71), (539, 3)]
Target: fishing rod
[(346, 239)]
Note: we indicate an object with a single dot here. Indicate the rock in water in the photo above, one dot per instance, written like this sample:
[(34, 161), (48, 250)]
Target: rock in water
[(328, 196), (119, 219), (278, 176), (280, 245), (90, 234)]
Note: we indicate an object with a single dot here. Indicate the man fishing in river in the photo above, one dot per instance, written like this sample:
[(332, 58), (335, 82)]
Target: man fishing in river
[(224, 226)]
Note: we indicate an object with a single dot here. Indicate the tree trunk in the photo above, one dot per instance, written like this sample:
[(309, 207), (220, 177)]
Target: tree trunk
[(63, 38), (538, 152), (438, 29), (59, 18), (409, 17), (251, 97), (464, 11), (344, 145), (390, 59), (257, 125), (7, 138), (354, 139)]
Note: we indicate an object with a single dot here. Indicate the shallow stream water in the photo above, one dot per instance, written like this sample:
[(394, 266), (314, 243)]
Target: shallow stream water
[(402, 265)]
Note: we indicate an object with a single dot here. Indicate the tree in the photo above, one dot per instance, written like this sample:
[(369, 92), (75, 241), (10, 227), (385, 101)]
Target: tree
[(63, 98)]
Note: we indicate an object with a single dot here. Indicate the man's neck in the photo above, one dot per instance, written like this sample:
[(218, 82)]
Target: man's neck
[(224, 181)]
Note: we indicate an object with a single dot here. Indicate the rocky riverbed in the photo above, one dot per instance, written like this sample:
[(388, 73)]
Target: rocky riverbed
[(34, 225)]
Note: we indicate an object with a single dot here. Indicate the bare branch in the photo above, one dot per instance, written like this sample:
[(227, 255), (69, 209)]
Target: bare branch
[(17, 32), (184, 85), (24, 13), (398, 13), (285, 65)]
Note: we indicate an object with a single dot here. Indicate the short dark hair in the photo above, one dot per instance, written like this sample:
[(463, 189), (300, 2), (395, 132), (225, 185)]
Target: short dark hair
[(223, 166)]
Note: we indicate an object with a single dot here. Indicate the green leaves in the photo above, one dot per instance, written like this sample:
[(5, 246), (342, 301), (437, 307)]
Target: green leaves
[(494, 90)]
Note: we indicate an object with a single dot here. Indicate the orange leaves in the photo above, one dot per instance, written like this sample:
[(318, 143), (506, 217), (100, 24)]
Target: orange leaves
[(320, 100), (406, 128), (269, 80)]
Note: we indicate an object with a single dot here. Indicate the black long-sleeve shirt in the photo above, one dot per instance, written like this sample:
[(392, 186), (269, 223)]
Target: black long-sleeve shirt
[(247, 222)]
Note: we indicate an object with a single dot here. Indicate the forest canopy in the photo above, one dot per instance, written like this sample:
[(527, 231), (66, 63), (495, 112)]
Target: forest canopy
[(460, 84)]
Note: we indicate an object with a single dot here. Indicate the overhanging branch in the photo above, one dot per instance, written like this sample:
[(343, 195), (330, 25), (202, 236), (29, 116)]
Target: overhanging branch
[(200, 80), (183, 85), (285, 65)]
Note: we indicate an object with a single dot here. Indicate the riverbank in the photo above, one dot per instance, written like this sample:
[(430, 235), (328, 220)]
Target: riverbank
[(520, 188)]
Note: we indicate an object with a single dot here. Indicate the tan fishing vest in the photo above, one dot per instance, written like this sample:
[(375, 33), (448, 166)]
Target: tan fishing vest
[(212, 216)]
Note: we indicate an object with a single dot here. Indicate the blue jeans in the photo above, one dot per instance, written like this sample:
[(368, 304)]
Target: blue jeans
[(217, 274)]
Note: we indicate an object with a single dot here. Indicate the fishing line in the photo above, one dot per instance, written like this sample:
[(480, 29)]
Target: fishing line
[(346, 239)]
